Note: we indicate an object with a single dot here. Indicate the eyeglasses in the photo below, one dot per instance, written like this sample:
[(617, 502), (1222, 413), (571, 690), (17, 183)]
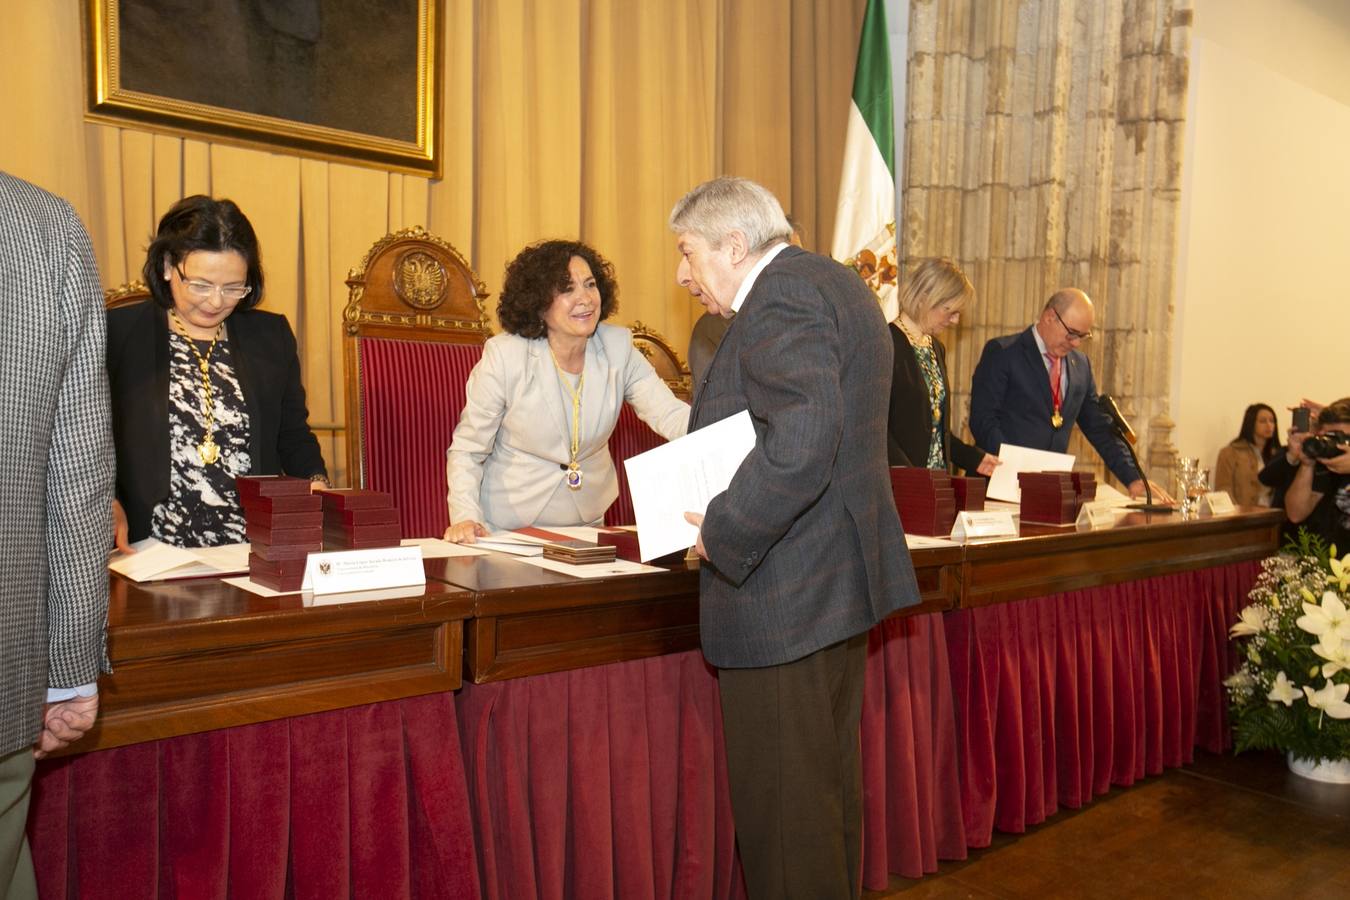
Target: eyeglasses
[(203, 290), (1073, 335)]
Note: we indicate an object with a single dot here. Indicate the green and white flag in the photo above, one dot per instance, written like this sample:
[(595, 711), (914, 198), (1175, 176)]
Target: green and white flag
[(864, 228)]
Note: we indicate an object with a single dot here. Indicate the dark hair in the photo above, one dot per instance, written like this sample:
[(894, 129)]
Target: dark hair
[(1337, 413), (1248, 431), (202, 223), (538, 274)]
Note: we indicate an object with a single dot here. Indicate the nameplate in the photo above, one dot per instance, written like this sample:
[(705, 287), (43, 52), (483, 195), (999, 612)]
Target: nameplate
[(1216, 503), (987, 524), (1097, 514), (364, 570)]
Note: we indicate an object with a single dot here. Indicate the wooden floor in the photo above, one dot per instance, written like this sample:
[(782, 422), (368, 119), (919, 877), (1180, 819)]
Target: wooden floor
[(1226, 827)]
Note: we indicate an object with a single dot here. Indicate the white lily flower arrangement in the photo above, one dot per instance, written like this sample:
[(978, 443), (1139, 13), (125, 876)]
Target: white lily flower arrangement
[(1291, 690)]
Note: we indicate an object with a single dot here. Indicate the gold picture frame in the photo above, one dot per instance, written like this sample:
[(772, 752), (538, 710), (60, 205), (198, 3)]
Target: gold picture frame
[(318, 77)]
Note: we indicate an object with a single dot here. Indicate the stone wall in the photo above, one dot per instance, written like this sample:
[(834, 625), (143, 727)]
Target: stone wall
[(1043, 148)]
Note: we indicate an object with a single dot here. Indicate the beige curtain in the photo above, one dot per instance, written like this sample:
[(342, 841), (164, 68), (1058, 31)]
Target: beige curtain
[(582, 118)]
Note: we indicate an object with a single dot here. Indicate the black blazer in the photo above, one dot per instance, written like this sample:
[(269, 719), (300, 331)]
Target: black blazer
[(264, 354), (909, 427)]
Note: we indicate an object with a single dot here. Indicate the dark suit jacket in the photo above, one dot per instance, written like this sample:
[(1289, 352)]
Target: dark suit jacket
[(909, 428), (1010, 402), (805, 545), (264, 354)]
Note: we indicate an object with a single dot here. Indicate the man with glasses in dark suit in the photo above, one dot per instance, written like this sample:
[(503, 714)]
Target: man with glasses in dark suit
[(803, 553), (1031, 388)]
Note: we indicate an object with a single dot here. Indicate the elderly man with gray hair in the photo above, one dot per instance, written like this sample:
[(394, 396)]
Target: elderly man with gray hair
[(803, 553)]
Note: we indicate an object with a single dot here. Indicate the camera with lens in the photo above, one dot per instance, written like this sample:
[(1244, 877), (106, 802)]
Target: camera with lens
[(1326, 445)]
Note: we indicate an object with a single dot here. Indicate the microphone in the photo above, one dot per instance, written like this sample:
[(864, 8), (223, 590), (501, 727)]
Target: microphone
[(1108, 406)]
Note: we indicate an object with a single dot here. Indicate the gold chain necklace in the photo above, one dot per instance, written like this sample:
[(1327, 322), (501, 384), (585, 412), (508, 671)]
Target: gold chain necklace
[(573, 472), (207, 451), (915, 336)]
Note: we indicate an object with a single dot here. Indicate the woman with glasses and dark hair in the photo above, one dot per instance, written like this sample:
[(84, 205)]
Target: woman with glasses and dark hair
[(205, 387), (1240, 463)]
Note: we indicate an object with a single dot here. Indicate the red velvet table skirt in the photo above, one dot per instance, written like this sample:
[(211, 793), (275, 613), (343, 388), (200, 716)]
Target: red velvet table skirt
[(363, 802), (1060, 697), (610, 782)]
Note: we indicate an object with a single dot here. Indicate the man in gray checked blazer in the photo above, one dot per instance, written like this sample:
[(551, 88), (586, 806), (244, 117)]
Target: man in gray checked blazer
[(56, 483), (804, 551)]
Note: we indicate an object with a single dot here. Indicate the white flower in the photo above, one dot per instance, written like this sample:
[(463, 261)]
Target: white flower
[(1335, 651), (1251, 621), (1331, 617), (1241, 680), (1330, 699), (1283, 691)]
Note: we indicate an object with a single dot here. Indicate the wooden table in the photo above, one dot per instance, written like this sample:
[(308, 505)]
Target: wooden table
[(199, 654)]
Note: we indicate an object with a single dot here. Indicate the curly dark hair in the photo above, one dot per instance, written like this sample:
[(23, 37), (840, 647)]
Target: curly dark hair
[(538, 274), (202, 223)]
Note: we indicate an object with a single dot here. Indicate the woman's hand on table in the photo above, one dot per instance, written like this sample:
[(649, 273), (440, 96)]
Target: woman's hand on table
[(466, 532), (120, 529)]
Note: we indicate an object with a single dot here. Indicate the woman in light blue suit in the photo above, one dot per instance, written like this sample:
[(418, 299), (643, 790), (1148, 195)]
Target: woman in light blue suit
[(532, 445)]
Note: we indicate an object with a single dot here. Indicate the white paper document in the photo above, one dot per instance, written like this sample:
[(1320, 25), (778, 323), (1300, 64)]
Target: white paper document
[(512, 542), (244, 583), (157, 561), (590, 570), (1111, 497), (435, 548), (1003, 485), (922, 541), (683, 476)]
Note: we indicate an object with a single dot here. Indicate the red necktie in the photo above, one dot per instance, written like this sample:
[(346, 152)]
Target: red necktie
[(1055, 398)]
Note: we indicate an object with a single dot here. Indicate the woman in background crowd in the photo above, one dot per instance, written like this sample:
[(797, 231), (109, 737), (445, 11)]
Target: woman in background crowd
[(1240, 463), (532, 446), (204, 386), (919, 432)]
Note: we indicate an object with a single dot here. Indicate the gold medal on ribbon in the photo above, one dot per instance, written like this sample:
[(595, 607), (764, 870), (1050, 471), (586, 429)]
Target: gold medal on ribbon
[(1056, 420)]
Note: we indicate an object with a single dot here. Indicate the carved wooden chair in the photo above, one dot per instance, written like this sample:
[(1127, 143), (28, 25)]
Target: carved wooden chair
[(413, 328), (127, 295), (631, 435)]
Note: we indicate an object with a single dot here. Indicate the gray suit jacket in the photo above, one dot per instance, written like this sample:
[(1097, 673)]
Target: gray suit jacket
[(805, 545), (56, 459)]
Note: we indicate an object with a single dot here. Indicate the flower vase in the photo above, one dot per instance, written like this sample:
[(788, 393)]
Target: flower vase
[(1331, 771)]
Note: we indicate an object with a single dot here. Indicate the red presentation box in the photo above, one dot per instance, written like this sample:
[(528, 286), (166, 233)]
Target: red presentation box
[(352, 498), (625, 544), (270, 506), (343, 544), (277, 568), (312, 519), (1048, 497), (262, 534), (925, 499), (348, 518), (284, 583), (969, 493), (279, 552), (250, 486), (1085, 486), (392, 533)]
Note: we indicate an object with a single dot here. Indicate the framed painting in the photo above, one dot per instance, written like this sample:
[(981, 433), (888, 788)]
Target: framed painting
[(348, 80)]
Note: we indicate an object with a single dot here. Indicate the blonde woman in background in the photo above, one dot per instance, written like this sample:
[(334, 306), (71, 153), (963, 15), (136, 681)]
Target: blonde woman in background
[(920, 428)]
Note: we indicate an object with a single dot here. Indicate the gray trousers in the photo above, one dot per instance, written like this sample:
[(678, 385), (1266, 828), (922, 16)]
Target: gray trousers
[(16, 865)]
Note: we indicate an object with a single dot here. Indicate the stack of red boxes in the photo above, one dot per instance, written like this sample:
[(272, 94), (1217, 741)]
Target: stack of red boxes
[(1085, 486), (969, 493), (360, 520), (1048, 497), (284, 523), (925, 500)]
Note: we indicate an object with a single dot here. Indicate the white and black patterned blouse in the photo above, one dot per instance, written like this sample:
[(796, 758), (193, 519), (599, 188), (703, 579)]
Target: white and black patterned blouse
[(202, 508)]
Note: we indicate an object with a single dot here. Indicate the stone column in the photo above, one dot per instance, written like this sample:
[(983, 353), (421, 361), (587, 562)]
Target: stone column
[(1043, 150)]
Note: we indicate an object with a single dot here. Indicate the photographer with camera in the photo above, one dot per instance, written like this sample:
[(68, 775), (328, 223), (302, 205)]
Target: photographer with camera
[(1319, 496)]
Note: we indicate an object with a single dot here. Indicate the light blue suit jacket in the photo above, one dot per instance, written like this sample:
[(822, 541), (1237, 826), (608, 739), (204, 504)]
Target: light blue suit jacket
[(512, 444)]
